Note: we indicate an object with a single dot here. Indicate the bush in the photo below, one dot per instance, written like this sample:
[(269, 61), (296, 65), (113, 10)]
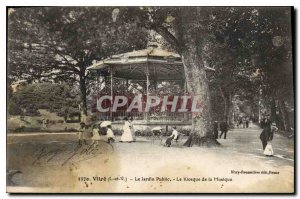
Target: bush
[(118, 132), (185, 132), (70, 129), (27, 129), (32, 110), (57, 98), (166, 133), (13, 108)]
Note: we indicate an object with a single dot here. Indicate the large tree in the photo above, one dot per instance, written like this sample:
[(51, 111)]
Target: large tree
[(259, 40), (246, 36), (186, 29), (59, 43), (248, 47)]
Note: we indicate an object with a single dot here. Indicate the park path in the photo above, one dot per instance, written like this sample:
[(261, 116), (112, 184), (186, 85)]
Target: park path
[(243, 141), (241, 150), (246, 142)]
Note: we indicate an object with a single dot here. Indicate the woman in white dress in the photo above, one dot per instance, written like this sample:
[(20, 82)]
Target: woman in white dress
[(127, 135)]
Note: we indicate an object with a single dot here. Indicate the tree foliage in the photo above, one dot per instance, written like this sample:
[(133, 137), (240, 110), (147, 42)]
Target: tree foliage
[(59, 43), (250, 49), (58, 98)]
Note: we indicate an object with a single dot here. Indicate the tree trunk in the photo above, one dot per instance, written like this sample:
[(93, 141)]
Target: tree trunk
[(189, 43), (229, 110), (226, 109), (227, 99), (284, 115), (273, 116), (197, 86), (82, 85), (225, 113)]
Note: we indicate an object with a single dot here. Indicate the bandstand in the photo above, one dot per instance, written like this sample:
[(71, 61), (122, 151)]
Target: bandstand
[(150, 67)]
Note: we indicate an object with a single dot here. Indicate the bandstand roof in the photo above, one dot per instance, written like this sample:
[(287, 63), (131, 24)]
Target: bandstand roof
[(162, 65)]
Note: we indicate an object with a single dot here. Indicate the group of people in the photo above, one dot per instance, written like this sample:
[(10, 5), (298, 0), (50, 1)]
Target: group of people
[(244, 123), (223, 129), (106, 133), (99, 132)]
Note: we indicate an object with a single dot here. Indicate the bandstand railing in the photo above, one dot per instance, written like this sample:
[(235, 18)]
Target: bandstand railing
[(150, 116)]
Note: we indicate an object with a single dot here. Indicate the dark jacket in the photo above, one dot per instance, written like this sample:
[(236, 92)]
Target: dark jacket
[(215, 127), (262, 124), (266, 134), (224, 126)]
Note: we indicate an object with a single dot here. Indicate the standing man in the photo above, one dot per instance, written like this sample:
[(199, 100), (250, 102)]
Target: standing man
[(216, 132), (224, 129), (244, 122)]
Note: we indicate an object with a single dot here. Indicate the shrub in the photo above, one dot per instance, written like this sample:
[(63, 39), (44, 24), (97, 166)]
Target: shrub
[(13, 108), (32, 110)]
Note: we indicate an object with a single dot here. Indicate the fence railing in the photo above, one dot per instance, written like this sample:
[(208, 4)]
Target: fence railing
[(150, 116)]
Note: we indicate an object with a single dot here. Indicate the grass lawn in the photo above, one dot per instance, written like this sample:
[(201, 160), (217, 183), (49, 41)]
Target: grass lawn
[(34, 124)]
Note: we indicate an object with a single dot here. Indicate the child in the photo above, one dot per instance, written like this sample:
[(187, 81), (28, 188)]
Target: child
[(110, 134), (81, 134), (174, 136)]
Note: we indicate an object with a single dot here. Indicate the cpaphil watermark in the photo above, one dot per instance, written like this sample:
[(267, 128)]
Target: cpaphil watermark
[(143, 103)]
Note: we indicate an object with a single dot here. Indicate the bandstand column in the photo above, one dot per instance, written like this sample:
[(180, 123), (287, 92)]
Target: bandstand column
[(127, 84), (185, 115), (98, 92), (127, 90), (185, 86), (111, 92), (147, 88), (155, 79)]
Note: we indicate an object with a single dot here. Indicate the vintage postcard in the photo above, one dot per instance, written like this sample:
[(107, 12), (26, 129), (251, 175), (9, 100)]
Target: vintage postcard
[(150, 100)]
